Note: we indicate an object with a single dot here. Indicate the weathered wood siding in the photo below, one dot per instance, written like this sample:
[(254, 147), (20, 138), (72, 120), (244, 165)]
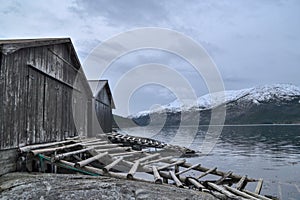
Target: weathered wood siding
[(36, 96), (103, 109)]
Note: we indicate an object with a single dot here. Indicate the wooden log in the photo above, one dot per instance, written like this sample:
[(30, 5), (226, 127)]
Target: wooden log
[(240, 193), (149, 157), (222, 190), (188, 169), (114, 149), (256, 195), (218, 182), (112, 165), (63, 155), (218, 173), (127, 153), (179, 162), (157, 160), (242, 183), (206, 172), (37, 146), (133, 169), (175, 179), (259, 186), (157, 178), (95, 143), (89, 160), (195, 183), (104, 146), (48, 150)]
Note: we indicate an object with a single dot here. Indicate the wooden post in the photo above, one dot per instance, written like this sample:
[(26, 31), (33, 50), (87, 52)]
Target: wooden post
[(207, 172), (240, 193), (111, 165), (157, 177), (259, 186), (188, 169), (176, 180), (242, 183), (218, 182), (127, 153), (103, 146), (89, 160), (133, 169)]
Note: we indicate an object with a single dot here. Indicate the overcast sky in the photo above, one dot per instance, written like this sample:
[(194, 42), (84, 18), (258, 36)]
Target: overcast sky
[(252, 42)]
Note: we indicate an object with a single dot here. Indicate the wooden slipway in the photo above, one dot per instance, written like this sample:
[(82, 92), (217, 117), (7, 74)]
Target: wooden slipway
[(100, 157)]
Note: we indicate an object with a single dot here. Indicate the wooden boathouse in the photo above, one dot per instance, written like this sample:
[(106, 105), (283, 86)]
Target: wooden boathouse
[(103, 104), (44, 96)]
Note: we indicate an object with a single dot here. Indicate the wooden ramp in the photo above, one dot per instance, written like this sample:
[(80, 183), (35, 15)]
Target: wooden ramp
[(100, 157)]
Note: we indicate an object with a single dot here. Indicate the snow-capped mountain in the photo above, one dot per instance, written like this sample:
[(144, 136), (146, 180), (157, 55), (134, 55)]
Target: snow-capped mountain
[(238, 102)]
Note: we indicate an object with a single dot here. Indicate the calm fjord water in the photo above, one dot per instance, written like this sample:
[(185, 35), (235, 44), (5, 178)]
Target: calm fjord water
[(271, 152)]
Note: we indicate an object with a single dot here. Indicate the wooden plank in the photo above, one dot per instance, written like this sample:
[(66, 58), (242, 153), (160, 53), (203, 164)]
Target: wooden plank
[(188, 169), (103, 146), (64, 155), (242, 183), (218, 182), (259, 186), (133, 170), (175, 179), (222, 190), (207, 172), (111, 165), (157, 178), (89, 160), (256, 195), (179, 162), (240, 193)]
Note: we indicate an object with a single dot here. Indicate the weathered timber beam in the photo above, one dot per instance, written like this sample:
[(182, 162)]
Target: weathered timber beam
[(206, 172), (242, 183), (47, 150), (37, 146), (111, 165), (133, 169), (240, 193), (195, 183), (63, 155), (256, 195), (175, 179), (157, 178), (259, 186), (188, 169), (157, 160), (114, 149), (218, 182), (179, 162), (222, 190), (149, 157), (217, 172), (89, 160)]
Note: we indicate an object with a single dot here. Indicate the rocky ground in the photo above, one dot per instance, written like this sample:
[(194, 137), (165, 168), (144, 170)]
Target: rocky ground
[(62, 186)]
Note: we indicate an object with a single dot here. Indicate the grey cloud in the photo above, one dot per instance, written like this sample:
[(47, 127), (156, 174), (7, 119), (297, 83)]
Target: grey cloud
[(126, 13)]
